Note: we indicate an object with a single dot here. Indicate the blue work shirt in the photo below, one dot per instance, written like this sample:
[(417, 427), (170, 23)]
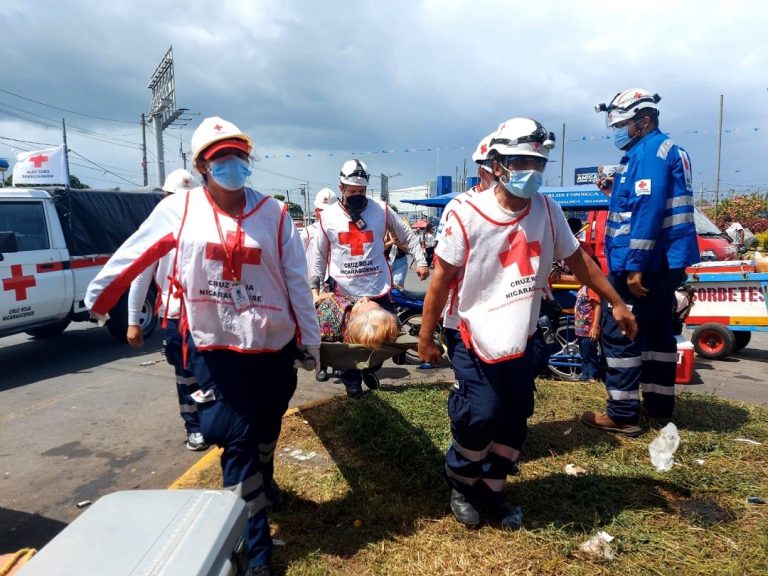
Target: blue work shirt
[(650, 220)]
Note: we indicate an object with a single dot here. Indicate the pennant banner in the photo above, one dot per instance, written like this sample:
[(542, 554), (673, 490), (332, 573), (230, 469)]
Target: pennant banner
[(46, 167), (573, 139)]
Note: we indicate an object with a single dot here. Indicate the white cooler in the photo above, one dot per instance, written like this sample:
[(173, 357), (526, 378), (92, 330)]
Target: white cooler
[(149, 533)]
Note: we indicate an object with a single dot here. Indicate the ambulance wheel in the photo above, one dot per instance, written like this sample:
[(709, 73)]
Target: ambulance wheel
[(51, 330), (118, 317), (740, 339), (713, 341)]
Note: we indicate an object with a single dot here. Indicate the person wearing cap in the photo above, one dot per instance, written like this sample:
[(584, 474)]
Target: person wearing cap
[(177, 182), (351, 241), (495, 256), (650, 238), (324, 198), (246, 311)]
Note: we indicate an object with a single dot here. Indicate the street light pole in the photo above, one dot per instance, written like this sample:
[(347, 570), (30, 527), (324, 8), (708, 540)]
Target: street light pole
[(562, 156), (719, 146)]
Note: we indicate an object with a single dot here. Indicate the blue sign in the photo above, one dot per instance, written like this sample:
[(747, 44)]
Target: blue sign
[(577, 197), (585, 175), (443, 185)]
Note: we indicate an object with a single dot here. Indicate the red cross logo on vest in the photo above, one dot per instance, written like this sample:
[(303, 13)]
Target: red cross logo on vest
[(520, 252), (18, 282), (240, 256), (38, 160), (356, 239)]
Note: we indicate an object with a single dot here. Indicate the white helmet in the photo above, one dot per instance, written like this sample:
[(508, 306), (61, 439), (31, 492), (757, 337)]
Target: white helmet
[(481, 152), (625, 105), (215, 129), (522, 137), (325, 198), (179, 181), (355, 173)]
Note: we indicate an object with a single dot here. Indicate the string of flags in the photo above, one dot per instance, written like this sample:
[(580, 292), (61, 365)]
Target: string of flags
[(357, 154)]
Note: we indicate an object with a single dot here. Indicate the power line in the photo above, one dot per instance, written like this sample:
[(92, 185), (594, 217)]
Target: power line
[(66, 110), (104, 169)]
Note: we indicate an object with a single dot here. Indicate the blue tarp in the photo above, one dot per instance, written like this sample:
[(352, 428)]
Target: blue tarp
[(435, 201)]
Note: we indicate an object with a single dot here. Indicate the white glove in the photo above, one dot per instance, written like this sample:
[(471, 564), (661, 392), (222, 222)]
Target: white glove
[(309, 358)]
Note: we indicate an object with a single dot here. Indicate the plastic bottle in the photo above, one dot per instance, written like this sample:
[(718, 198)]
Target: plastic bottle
[(663, 447)]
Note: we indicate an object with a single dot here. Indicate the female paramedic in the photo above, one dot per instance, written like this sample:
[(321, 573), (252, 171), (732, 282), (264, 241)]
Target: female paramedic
[(246, 311)]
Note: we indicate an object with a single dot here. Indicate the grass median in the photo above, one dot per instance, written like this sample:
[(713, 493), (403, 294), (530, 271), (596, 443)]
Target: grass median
[(365, 494)]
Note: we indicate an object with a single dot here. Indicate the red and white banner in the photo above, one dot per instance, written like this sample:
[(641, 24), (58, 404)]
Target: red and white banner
[(47, 166)]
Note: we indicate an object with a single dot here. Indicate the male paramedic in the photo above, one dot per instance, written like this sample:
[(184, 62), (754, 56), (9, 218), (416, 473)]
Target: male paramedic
[(496, 253), (650, 238), (351, 241)]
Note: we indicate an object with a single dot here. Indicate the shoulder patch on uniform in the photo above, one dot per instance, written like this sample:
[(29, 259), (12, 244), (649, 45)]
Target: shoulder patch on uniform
[(643, 187), (664, 148)]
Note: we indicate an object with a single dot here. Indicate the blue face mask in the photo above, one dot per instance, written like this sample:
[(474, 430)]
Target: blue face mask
[(522, 183), (230, 172), (621, 138)]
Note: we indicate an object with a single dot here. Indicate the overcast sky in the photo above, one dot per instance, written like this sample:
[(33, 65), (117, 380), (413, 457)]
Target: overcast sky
[(321, 81)]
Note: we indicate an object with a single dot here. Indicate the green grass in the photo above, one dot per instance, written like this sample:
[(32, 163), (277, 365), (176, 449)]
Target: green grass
[(379, 462)]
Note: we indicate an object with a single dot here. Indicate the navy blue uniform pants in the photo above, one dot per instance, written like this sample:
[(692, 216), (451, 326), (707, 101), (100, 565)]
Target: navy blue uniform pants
[(489, 408), (649, 362), (186, 383), (245, 397)]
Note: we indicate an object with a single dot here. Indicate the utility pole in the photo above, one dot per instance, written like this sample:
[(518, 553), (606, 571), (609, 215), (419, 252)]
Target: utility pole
[(719, 146), (144, 149), (562, 156), (66, 151), (183, 155)]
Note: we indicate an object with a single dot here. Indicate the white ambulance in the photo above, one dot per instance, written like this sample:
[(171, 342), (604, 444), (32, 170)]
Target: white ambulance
[(53, 241)]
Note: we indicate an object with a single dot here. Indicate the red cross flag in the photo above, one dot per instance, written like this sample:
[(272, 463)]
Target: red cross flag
[(41, 167)]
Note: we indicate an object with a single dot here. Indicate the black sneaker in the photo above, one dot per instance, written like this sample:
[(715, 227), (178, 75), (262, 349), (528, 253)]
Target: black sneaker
[(463, 509), (322, 376), (371, 380), (503, 511), (354, 392)]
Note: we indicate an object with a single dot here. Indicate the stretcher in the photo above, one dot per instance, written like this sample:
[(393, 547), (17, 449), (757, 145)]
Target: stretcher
[(344, 356)]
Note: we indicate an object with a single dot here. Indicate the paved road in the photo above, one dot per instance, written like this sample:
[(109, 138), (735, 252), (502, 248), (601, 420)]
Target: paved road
[(83, 416)]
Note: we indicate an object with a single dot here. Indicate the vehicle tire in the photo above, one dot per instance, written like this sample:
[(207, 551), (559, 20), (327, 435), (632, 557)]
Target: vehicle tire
[(118, 317), (565, 355), (740, 339), (713, 341), (412, 324), (51, 330)]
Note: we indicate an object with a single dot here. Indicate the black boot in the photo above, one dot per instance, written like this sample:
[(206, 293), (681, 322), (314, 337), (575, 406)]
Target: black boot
[(463, 509), (274, 496), (501, 510), (322, 375)]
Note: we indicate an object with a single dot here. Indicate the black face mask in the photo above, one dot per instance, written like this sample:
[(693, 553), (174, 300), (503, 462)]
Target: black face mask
[(355, 205)]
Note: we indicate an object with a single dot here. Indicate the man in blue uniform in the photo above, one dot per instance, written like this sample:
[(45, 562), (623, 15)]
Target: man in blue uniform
[(650, 238)]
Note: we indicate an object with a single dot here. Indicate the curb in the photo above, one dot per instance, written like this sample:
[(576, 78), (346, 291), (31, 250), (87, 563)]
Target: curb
[(211, 458)]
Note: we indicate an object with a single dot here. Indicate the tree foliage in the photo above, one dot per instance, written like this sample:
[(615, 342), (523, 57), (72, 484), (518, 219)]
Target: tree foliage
[(750, 211)]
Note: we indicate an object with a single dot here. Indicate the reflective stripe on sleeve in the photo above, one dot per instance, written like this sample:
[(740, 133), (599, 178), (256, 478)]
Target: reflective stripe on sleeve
[(676, 219), (621, 230)]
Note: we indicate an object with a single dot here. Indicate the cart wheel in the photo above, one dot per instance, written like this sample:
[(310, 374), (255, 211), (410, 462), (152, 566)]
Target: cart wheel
[(741, 338), (713, 341)]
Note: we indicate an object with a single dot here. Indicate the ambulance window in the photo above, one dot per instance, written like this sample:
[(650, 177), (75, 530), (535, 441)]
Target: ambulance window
[(27, 221)]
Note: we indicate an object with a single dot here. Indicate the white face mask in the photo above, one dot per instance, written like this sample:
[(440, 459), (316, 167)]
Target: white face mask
[(522, 183)]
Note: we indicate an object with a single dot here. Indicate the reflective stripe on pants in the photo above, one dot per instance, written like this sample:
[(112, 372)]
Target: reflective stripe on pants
[(489, 404), (252, 392), (646, 359)]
